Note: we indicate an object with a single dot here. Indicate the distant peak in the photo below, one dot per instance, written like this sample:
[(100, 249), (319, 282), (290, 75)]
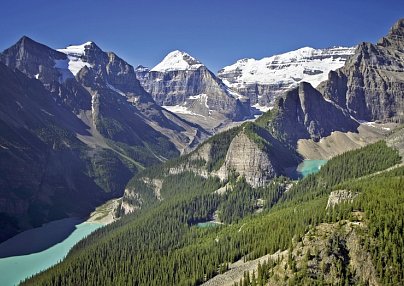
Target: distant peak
[(177, 60), (29, 45), (78, 50), (395, 36), (25, 40), (399, 25), (141, 68)]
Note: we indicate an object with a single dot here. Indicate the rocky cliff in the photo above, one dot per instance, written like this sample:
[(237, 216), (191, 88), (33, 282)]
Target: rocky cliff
[(46, 172), (248, 159), (303, 113), (76, 125), (183, 85), (371, 84)]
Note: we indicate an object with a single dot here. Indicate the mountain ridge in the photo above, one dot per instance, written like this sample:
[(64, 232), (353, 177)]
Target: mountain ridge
[(115, 130)]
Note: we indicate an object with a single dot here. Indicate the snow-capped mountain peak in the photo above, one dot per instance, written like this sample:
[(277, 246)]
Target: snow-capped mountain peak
[(141, 68), (264, 79), (77, 50), (74, 58), (177, 60), (308, 64)]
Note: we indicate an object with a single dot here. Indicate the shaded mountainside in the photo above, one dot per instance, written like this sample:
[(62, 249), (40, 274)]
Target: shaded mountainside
[(46, 172), (303, 113), (371, 84), (84, 126), (259, 221)]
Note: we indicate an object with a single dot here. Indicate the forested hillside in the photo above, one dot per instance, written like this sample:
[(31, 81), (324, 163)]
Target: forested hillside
[(162, 245)]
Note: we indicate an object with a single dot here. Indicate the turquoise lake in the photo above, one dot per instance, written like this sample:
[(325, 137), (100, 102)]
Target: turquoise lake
[(13, 269), (207, 224), (308, 167)]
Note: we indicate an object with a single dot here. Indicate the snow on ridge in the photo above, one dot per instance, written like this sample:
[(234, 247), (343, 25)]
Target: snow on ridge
[(262, 108), (202, 97), (63, 67), (177, 60), (304, 64), (180, 109), (74, 55), (111, 87), (77, 50)]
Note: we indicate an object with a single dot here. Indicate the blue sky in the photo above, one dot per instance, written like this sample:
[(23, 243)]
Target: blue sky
[(217, 32)]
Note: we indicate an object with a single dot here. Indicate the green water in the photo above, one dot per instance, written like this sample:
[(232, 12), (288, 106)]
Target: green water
[(207, 224), (16, 268), (308, 167)]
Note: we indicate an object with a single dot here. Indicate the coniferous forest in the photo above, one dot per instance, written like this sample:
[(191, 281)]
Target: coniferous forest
[(162, 244)]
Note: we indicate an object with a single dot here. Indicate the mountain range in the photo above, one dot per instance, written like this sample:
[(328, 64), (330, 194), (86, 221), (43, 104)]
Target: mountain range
[(270, 146), (76, 119), (80, 126)]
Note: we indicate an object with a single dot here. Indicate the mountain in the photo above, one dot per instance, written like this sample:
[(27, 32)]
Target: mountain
[(371, 84), (183, 85), (76, 125), (257, 151), (47, 173), (303, 113), (264, 80), (233, 205), (268, 147), (288, 226)]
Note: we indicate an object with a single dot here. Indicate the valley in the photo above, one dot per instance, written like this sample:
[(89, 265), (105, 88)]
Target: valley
[(284, 170)]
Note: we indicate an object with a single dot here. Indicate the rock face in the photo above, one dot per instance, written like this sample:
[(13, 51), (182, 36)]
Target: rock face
[(46, 172), (303, 113), (182, 84), (76, 125), (247, 159), (322, 251), (264, 80), (371, 84), (338, 197)]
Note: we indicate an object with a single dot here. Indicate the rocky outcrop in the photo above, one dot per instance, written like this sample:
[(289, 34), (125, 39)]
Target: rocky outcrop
[(303, 113), (371, 84), (396, 141), (131, 201), (247, 159), (340, 196), (327, 251)]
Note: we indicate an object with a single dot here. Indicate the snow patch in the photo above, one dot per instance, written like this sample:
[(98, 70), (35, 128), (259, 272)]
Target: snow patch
[(262, 108), (305, 64), (74, 55), (203, 97), (234, 93), (373, 124), (78, 50), (115, 89), (63, 68), (177, 60), (180, 109)]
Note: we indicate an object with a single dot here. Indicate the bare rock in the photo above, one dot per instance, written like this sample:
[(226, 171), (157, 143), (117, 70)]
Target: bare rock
[(340, 196), (247, 159)]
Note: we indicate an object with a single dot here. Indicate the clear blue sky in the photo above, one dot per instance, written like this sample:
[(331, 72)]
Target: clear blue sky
[(217, 32)]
